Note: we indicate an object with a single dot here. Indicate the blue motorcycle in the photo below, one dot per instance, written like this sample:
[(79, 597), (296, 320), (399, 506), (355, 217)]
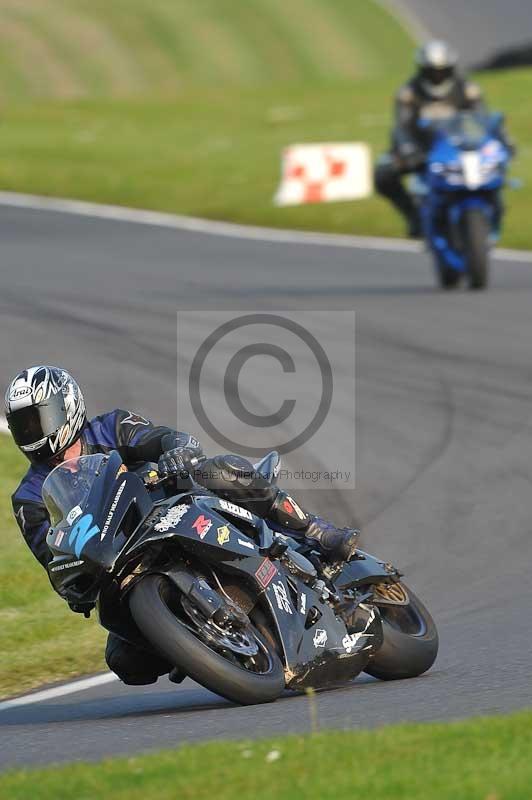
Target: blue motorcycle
[(458, 192)]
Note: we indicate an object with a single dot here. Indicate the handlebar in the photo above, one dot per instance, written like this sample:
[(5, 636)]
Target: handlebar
[(152, 480)]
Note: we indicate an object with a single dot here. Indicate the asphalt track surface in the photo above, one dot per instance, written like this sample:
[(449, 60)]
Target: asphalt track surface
[(444, 451), (477, 28)]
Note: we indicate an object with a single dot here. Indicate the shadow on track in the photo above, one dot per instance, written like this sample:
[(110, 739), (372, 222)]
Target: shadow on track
[(121, 706), (150, 703)]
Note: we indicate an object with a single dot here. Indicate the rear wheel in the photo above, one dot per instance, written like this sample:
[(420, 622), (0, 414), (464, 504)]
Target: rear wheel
[(238, 662), (475, 243), (410, 644)]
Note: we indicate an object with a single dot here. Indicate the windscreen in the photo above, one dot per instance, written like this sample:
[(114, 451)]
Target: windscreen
[(467, 129), (66, 489)]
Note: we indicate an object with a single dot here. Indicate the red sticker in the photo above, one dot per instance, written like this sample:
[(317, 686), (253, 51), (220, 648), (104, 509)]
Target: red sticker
[(288, 507), (202, 526), (59, 538), (265, 573)]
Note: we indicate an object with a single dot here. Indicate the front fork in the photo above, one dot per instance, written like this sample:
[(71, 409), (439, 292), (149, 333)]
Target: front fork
[(441, 222)]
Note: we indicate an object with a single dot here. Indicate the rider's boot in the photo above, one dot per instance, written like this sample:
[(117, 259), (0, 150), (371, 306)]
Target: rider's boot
[(336, 544)]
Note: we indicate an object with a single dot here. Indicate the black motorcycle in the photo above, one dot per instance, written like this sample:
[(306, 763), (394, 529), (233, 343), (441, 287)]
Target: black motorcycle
[(243, 610)]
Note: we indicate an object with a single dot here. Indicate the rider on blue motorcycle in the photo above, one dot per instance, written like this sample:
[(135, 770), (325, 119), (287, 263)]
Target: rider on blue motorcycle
[(46, 415), (437, 89)]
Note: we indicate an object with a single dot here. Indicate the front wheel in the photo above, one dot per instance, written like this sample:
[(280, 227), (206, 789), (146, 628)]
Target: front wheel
[(475, 242), (410, 643), (239, 664)]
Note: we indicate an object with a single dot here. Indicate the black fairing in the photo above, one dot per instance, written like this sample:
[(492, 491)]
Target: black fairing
[(117, 504), (129, 535)]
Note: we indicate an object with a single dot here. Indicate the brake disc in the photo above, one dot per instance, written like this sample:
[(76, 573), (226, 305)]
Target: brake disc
[(237, 640)]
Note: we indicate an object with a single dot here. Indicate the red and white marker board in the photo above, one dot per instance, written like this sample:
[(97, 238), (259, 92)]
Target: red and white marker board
[(324, 173)]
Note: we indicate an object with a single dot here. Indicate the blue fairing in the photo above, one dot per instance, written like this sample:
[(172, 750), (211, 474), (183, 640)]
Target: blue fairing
[(447, 188)]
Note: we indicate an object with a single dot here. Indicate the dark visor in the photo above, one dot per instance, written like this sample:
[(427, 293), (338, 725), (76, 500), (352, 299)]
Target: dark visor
[(437, 76), (32, 424)]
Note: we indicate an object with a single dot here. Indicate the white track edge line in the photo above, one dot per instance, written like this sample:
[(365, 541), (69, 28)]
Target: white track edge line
[(232, 230), (216, 228), (3, 425), (59, 691)]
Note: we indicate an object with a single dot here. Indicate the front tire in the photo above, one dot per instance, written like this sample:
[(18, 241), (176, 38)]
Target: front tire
[(181, 647), (475, 239), (410, 644)]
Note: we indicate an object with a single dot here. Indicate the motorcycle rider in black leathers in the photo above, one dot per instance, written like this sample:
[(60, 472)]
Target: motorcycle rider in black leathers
[(436, 90), (46, 415)]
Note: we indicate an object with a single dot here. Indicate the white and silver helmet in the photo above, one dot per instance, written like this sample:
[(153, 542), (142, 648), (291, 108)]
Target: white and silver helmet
[(45, 412), (436, 62)]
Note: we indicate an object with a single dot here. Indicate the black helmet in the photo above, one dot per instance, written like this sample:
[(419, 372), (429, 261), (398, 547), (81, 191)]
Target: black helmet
[(45, 412), (436, 62)]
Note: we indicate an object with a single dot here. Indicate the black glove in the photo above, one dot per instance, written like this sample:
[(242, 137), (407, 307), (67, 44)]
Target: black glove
[(82, 608), (409, 157), (175, 462), (182, 453)]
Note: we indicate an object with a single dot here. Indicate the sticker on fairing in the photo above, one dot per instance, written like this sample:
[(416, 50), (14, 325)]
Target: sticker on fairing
[(171, 518), (281, 597), (60, 535), (224, 534), (202, 526), (82, 532), (320, 638), (244, 543), (266, 573), (68, 565), (73, 515), (232, 508)]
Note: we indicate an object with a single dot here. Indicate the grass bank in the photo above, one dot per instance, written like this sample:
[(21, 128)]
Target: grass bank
[(215, 153), (40, 639), (482, 759), (93, 48)]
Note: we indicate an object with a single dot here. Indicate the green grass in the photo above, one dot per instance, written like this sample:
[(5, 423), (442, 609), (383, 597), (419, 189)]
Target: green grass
[(482, 759), (41, 640), (94, 48)]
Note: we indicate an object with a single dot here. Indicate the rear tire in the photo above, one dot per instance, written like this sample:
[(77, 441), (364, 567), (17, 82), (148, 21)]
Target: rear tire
[(175, 642), (405, 651), (475, 243)]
